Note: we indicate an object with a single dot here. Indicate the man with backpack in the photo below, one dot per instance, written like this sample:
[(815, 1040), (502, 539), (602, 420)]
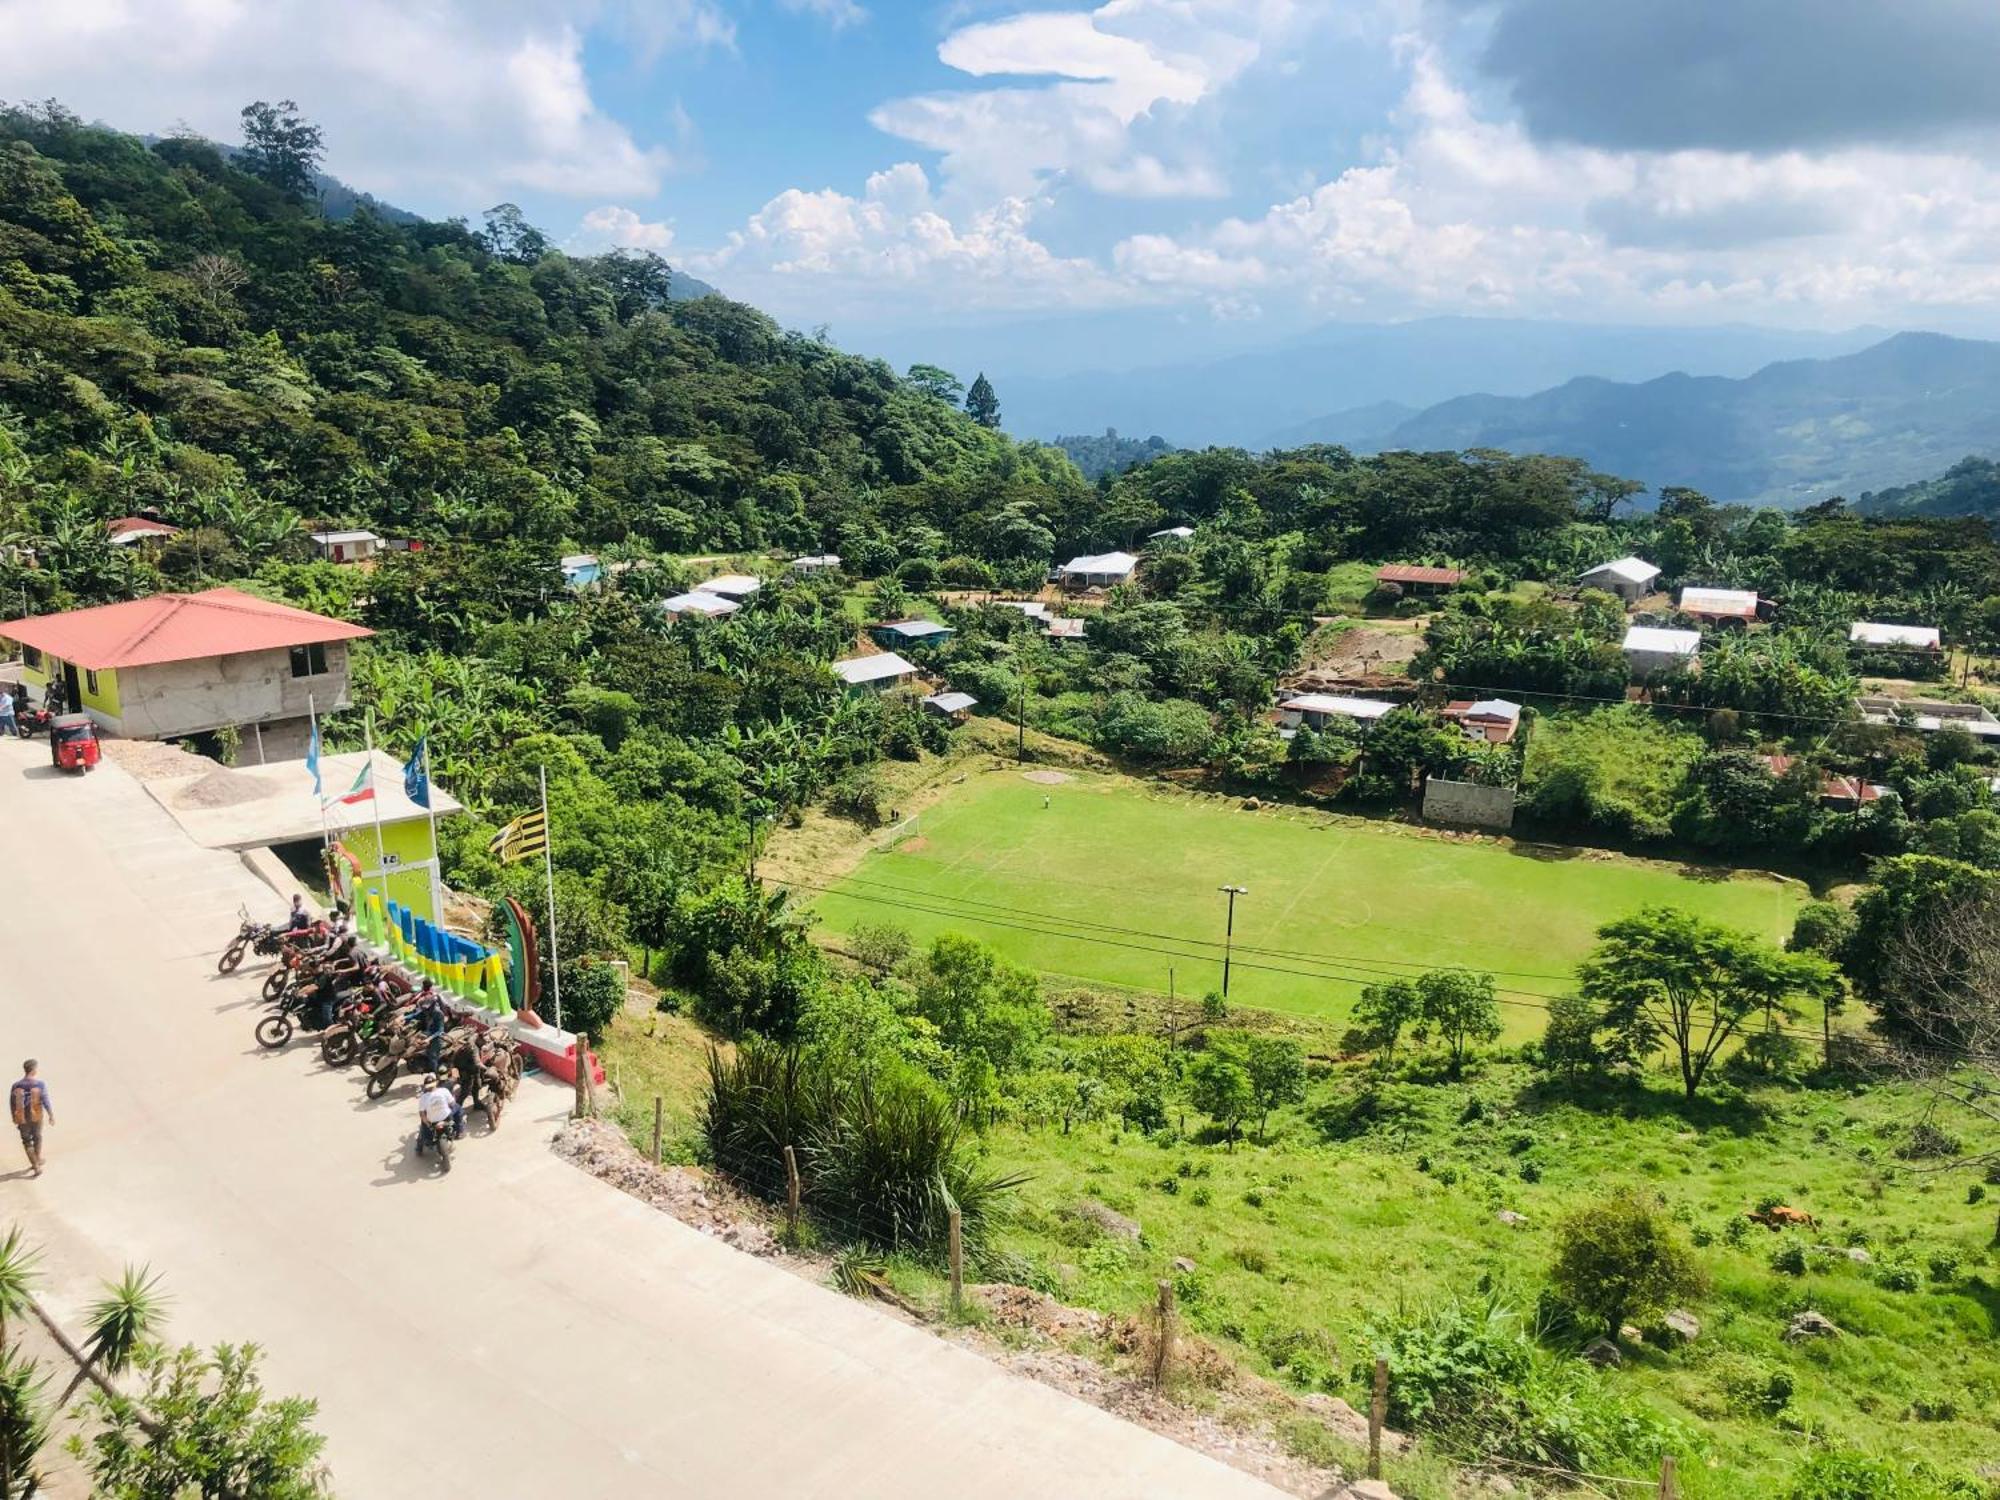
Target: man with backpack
[(28, 1103)]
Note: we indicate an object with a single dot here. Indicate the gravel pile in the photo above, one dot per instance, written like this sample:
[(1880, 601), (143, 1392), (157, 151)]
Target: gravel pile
[(688, 1193), (150, 760)]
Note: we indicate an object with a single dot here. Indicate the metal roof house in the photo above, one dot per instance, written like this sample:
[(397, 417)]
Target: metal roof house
[(346, 546), (1062, 628), (1175, 533), (1894, 637), (875, 674), (1317, 710), (953, 706), (1493, 720), (1718, 604), (823, 562), (181, 664), (1102, 571), (1651, 650), (1416, 576), (893, 633), (581, 569), (737, 586), (707, 606), (1629, 578), (129, 530)]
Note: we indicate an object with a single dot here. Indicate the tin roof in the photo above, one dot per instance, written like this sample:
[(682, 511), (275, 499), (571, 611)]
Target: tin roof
[(856, 670), (176, 627)]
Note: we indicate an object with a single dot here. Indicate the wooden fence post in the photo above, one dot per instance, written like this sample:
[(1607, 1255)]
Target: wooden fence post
[(1163, 1347), (792, 1194), (1668, 1489), (582, 1110), (659, 1107), (1378, 1410), (956, 1247)]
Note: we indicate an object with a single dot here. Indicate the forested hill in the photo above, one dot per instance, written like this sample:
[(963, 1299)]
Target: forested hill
[(1109, 453), (1970, 487), (180, 334)]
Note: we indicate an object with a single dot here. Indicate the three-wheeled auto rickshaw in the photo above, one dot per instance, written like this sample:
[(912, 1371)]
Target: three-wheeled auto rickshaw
[(73, 742)]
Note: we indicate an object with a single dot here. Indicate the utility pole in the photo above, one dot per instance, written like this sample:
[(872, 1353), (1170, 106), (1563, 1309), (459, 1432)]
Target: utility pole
[(1229, 931), (1021, 721)]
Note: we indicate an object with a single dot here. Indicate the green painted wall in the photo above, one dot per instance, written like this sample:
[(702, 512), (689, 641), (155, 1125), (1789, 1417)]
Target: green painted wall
[(408, 880), (105, 699)]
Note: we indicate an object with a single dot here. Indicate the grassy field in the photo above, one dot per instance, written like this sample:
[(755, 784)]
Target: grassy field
[(1107, 879)]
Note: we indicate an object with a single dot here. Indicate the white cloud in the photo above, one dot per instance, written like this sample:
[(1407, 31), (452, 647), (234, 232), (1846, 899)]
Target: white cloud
[(614, 228), (1124, 64), (836, 13), (443, 107)]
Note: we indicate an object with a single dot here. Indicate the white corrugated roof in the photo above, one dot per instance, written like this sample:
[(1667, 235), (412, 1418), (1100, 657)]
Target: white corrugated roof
[(1720, 601), (1108, 562), (1631, 569), (1031, 607), (1183, 532), (859, 669), (699, 603), (329, 538), (820, 560), (1654, 638), (952, 703), (731, 585), (915, 630), (1335, 703), (1494, 708), (1870, 633)]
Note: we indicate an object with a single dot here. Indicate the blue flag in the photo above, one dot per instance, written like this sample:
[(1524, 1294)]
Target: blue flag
[(417, 774), (312, 760)]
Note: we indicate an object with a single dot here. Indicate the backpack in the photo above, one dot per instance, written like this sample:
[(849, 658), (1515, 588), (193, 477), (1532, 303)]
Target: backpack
[(25, 1100)]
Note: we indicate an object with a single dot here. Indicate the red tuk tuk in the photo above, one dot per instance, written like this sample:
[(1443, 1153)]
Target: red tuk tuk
[(73, 742)]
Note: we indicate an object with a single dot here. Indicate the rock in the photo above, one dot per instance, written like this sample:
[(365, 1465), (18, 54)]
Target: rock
[(1681, 1326), (1858, 1255), (1498, 1484), (1603, 1353), (1810, 1325), (1511, 1219), (1108, 1219), (1630, 1334), (1363, 1489), (1183, 1263)]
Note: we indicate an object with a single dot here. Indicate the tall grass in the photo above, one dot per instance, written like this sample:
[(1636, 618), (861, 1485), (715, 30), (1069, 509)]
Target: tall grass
[(882, 1159)]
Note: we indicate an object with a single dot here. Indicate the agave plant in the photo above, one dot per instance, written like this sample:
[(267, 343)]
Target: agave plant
[(124, 1318), (24, 1424), (18, 1275)]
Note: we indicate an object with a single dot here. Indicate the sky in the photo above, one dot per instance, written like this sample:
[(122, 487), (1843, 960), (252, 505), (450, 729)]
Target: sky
[(1233, 169)]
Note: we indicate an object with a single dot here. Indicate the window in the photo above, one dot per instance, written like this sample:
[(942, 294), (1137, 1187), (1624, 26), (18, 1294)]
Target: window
[(31, 657), (90, 682), (309, 661)]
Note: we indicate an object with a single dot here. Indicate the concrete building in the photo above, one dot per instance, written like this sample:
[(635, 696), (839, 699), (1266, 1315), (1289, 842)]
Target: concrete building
[(875, 674), (737, 586), (1102, 571), (1726, 605), (1317, 710), (1651, 651), (182, 664), (1494, 720), (346, 546), (1929, 715), (580, 570), (1894, 637), (1630, 578), (894, 633), (704, 605)]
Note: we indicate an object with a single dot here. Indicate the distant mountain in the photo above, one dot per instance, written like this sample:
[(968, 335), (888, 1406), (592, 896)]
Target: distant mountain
[(1364, 429), (1791, 434), (1110, 454), (1249, 398), (1970, 487)]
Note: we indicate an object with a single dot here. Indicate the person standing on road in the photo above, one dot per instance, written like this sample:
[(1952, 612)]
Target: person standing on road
[(28, 1103), (9, 725)]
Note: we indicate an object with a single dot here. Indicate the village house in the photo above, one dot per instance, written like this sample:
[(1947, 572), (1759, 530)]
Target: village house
[(952, 706), (737, 586), (875, 674), (1493, 720), (823, 562), (1415, 579), (129, 531), (1836, 793), (1062, 630), (1894, 637), (1034, 609), (1316, 711), (346, 546), (703, 605), (1719, 605), (1929, 715), (1172, 533), (1106, 570), (580, 570), (1651, 650), (1630, 578), (175, 665), (893, 633)]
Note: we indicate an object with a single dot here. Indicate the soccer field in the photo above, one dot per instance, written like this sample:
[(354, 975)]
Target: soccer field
[(1114, 882)]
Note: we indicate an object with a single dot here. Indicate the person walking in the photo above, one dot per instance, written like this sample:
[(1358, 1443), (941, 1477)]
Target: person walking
[(9, 724), (28, 1103)]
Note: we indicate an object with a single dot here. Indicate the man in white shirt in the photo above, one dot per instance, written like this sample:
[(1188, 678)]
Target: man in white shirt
[(437, 1108)]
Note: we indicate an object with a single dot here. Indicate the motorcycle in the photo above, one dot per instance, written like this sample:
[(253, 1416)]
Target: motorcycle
[(360, 1020), (292, 1011), (29, 722), (252, 937), (438, 1136), (408, 1049)]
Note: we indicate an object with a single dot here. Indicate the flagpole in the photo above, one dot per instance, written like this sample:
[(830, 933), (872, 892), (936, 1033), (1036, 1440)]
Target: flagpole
[(375, 806), (319, 792), (549, 872), (430, 812)]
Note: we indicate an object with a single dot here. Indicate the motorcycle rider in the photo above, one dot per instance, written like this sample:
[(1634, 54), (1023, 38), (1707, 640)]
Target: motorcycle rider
[(437, 1110), (431, 1017), (341, 967), (300, 919)]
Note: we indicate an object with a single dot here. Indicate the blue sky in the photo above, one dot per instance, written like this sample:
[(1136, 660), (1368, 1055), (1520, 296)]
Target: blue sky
[(1213, 172)]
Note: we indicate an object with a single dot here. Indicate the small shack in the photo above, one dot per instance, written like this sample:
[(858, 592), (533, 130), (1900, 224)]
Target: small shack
[(1102, 571), (580, 570), (874, 674), (1653, 651), (1630, 578), (820, 562), (702, 605), (892, 634), (1413, 578), (952, 706), (129, 531), (1317, 710), (346, 546), (1719, 605), (1172, 534)]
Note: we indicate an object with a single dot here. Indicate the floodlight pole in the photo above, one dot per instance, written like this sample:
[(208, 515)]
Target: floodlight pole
[(1229, 931)]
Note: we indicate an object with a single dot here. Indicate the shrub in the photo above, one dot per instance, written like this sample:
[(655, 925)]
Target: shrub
[(1789, 1259), (1845, 1474), (1898, 1277), (594, 995), (1622, 1258), (1944, 1266), (1753, 1387)]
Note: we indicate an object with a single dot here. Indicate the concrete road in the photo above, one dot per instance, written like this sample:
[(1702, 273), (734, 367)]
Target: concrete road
[(516, 1329)]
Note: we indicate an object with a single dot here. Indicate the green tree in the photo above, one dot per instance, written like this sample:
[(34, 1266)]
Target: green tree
[(1277, 1069), (1665, 974), (1459, 1007), (1385, 1011), (980, 1004), (282, 147), (509, 235), (1623, 1258), (1220, 1087), (981, 404), (208, 1432), (940, 383), (1569, 1039)]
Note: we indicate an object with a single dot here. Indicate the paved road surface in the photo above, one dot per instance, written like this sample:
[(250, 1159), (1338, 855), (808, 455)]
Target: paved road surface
[(603, 1348)]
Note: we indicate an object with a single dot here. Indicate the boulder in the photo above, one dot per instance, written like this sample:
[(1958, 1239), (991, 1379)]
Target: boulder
[(1362, 1489), (1631, 1333), (1681, 1326), (1107, 1219), (1859, 1256), (1603, 1353), (1511, 1219), (1183, 1263), (1810, 1325)]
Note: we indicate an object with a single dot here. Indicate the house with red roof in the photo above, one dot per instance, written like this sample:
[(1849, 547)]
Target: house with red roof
[(175, 665)]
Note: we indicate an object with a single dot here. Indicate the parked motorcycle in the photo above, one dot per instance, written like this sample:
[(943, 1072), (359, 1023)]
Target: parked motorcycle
[(252, 937), (29, 722), (361, 1019)]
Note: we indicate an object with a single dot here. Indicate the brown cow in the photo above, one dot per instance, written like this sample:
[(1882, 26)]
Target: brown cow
[(1780, 1216)]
